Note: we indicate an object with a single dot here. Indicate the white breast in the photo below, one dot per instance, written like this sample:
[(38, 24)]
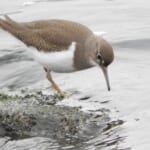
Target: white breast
[(61, 61)]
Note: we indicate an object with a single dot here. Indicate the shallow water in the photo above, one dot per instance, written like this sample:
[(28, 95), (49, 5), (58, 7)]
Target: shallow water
[(126, 24)]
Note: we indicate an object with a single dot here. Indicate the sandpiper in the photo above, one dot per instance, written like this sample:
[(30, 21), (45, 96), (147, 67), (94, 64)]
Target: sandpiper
[(62, 46)]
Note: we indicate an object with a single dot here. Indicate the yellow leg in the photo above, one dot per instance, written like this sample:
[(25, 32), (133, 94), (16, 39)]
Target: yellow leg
[(54, 85)]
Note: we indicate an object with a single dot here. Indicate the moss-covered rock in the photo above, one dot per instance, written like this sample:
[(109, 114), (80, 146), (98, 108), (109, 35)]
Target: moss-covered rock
[(36, 115), (5, 97)]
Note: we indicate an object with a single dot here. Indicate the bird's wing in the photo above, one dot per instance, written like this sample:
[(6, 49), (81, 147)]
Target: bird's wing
[(50, 38)]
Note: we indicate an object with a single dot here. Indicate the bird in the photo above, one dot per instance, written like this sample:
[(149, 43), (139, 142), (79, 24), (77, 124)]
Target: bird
[(62, 46)]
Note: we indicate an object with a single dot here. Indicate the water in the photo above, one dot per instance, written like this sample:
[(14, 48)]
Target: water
[(126, 24)]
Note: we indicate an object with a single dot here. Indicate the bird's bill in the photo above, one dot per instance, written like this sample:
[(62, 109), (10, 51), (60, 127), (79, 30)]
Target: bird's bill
[(104, 69)]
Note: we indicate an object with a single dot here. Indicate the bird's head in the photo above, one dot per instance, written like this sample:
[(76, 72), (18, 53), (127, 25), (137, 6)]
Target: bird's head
[(100, 53)]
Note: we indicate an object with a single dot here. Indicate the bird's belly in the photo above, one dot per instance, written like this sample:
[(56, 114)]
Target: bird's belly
[(61, 61)]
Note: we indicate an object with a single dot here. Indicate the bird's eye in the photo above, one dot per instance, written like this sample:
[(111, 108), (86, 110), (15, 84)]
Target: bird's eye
[(99, 57)]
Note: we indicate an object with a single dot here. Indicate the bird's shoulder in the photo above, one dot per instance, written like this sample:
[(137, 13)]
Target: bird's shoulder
[(56, 35)]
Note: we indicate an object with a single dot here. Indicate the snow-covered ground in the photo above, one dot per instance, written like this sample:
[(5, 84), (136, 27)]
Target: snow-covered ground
[(126, 24)]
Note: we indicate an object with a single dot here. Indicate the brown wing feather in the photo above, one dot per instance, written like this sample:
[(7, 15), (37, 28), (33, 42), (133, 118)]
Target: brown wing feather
[(46, 35), (46, 40)]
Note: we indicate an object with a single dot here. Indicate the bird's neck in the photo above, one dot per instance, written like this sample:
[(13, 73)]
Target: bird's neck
[(81, 59)]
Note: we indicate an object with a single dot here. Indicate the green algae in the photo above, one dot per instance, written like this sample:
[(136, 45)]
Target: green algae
[(5, 97)]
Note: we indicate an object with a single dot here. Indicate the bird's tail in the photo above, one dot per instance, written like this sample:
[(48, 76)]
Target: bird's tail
[(11, 26)]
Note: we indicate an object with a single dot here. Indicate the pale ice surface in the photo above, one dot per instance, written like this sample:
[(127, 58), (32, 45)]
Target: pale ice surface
[(126, 23)]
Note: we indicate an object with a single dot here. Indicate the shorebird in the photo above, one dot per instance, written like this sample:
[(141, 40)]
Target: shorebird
[(62, 46)]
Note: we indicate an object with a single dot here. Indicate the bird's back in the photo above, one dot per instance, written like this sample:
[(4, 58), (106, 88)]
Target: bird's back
[(47, 35)]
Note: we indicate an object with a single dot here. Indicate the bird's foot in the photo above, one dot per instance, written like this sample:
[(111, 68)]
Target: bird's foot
[(70, 93), (64, 95)]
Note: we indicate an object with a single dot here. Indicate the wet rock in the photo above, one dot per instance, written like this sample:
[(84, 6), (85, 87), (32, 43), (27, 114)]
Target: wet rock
[(105, 102), (113, 124), (33, 121), (85, 98), (47, 121)]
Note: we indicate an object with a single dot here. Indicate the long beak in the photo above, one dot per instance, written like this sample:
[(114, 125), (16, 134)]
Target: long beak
[(104, 69)]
